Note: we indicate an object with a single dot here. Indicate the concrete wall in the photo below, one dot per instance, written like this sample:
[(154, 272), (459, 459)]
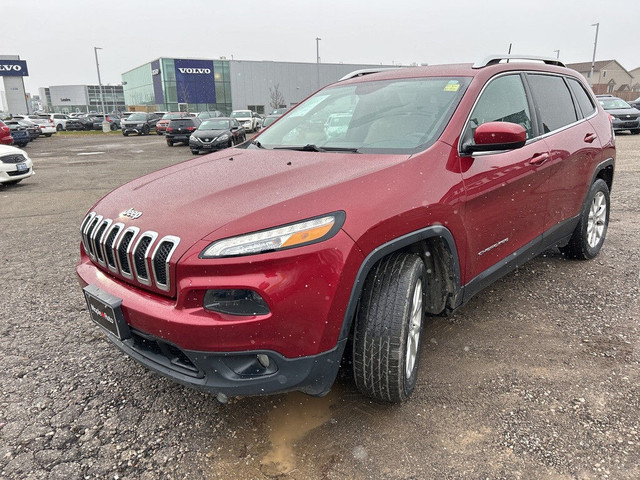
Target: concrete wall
[(250, 81)]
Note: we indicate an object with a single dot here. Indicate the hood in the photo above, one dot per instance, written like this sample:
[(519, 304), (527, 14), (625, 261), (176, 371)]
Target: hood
[(209, 133), (9, 150), (243, 190), (623, 111)]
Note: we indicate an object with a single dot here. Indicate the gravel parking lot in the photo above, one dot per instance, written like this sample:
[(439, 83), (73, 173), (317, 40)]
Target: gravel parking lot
[(537, 377)]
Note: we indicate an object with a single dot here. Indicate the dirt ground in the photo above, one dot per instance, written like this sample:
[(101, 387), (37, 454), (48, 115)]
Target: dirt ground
[(538, 377)]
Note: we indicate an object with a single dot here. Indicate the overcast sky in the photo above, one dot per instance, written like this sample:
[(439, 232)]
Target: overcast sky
[(57, 37)]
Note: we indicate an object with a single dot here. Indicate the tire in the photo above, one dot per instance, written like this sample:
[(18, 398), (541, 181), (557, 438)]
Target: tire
[(635, 131), (13, 182), (126, 134), (590, 233), (158, 132), (145, 130), (195, 152), (48, 134), (170, 143), (113, 127), (59, 127), (387, 332)]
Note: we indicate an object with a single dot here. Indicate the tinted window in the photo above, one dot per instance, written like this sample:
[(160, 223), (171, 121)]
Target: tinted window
[(503, 100), (583, 98), (182, 123), (554, 101)]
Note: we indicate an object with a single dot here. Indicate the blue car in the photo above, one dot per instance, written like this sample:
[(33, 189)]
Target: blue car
[(20, 135)]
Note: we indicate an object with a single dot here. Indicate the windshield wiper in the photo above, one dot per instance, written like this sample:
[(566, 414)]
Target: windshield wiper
[(314, 148)]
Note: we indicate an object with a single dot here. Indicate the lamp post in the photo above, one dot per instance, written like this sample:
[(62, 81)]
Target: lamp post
[(105, 124), (318, 58), (593, 60)]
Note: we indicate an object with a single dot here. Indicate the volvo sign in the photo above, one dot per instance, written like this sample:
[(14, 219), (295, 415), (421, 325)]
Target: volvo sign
[(13, 68), (195, 82)]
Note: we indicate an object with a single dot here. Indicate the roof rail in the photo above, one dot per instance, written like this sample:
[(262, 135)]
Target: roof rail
[(364, 71), (495, 59)]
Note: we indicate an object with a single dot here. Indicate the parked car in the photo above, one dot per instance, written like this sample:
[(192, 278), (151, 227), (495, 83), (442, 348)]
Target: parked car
[(58, 119), (140, 123), (280, 111), (635, 103), (180, 129), (251, 271), (112, 119), (33, 129), (625, 117), (269, 119), (5, 134), (163, 123), (248, 119), (46, 125), (15, 165), (212, 114), (82, 122), (19, 133), (216, 134)]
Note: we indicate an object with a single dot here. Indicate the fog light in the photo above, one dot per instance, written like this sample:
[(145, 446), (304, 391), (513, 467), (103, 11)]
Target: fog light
[(264, 360), (235, 302)]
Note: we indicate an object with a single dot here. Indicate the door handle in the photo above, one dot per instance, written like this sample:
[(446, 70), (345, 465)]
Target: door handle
[(539, 158), (590, 137)]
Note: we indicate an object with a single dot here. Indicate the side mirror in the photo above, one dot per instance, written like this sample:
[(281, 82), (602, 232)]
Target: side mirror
[(494, 136)]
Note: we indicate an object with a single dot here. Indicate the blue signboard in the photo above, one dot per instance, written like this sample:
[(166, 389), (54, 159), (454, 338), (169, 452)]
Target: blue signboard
[(194, 81), (156, 74), (13, 68)]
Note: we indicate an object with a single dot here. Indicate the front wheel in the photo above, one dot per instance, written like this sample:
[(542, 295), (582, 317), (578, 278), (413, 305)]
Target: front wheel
[(59, 127), (170, 143), (635, 131), (387, 333), (126, 134), (195, 151), (588, 236)]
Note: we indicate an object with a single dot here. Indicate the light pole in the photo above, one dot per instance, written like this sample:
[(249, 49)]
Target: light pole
[(593, 60), (105, 124), (318, 58)]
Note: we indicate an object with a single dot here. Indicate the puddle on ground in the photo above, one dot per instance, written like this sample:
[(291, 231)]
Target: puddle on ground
[(295, 417)]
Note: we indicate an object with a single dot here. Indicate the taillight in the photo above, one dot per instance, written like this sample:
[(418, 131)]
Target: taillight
[(169, 129), (190, 129)]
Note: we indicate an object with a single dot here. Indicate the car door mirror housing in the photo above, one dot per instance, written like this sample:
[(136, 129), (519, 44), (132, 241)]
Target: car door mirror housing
[(494, 136)]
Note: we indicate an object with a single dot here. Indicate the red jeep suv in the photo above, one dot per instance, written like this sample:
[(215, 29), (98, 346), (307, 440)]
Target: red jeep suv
[(251, 270)]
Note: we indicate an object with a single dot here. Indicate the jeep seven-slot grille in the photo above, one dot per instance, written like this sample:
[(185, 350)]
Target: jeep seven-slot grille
[(129, 252)]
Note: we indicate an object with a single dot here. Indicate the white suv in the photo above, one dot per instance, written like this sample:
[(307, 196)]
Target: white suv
[(59, 119), (248, 119)]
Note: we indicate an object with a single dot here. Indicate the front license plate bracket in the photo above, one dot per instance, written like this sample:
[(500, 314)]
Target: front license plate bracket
[(105, 310)]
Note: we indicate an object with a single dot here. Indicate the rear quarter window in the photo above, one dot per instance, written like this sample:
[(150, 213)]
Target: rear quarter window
[(553, 100), (584, 100)]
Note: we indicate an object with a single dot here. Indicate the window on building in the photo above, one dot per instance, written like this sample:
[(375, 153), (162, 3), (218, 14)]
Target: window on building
[(256, 108)]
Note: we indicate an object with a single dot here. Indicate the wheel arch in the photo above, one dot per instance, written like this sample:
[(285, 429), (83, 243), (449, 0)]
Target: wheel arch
[(604, 170), (437, 248)]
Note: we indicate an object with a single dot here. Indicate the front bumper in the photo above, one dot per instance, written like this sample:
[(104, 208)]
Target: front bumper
[(201, 145), (620, 124)]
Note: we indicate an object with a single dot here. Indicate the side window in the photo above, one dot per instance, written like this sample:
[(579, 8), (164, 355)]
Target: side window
[(554, 101), (503, 100), (584, 100)]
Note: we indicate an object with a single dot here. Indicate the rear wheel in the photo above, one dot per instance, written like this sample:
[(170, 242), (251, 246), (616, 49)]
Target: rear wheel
[(126, 134), (170, 143), (195, 152), (145, 130), (589, 235), (387, 333), (48, 134), (59, 127)]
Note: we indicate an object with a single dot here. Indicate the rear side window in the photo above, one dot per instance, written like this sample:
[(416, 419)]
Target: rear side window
[(583, 98), (503, 100), (553, 100)]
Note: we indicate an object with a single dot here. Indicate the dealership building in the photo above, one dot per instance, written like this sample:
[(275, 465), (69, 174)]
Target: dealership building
[(82, 98), (195, 85)]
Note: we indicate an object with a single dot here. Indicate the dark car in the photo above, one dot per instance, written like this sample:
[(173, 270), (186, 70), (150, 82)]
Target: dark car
[(216, 134), (269, 119), (261, 270), (140, 123), (82, 122), (112, 119), (19, 134), (33, 129), (163, 123), (5, 134), (625, 117), (635, 103), (180, 129)]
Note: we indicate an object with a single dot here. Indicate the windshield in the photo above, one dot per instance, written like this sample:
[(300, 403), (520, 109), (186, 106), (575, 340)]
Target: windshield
[(169, 116), (241, 114), (613, 103), (390, 116), (137, 117), (214, 125)]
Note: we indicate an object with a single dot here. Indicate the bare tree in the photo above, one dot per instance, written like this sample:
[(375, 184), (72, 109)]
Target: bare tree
[(277, 99)]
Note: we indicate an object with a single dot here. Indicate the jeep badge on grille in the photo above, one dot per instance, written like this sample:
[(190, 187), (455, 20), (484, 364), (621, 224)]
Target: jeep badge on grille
[(131, 213)]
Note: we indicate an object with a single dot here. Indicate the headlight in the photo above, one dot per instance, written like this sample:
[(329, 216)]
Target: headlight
[(298, 234), (195, 139), (222, 138)]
